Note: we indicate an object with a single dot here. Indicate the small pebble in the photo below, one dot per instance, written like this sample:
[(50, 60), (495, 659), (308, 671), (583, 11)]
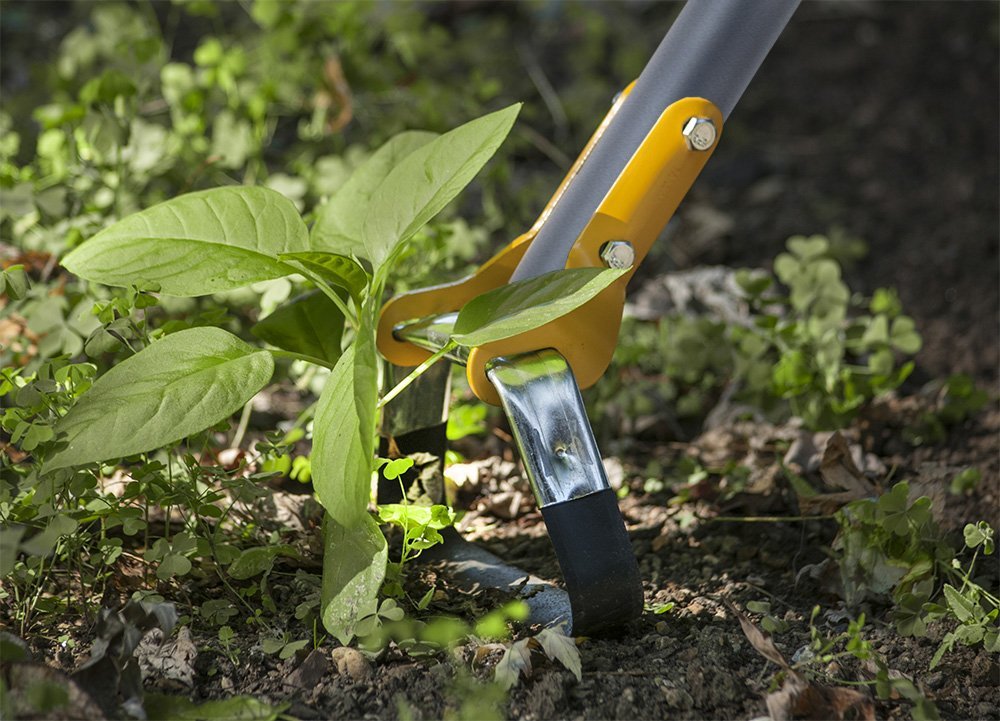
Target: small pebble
[(935, 681), (351, 663), (676, 698)]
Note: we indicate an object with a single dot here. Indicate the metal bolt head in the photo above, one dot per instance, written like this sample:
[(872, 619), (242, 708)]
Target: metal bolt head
[(618, 254), (700, 133)]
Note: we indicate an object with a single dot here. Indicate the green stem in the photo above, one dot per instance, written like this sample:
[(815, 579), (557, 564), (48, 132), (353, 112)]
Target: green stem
[(416, 373), (349, 315), (277, 353), (764, 519), (241, 429)]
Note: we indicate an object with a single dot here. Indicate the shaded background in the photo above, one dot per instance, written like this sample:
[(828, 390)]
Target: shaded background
[(878, 121)]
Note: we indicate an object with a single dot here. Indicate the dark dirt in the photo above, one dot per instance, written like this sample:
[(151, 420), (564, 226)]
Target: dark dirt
[(880, 119)]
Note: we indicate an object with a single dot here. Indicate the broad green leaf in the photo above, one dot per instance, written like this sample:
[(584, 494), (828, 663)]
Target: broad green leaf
[(787, 268), (196, 244), (428, 179), (339, 226), (254, 561), (979, 534), (752, 282), (340, 270), (877, 331), (970, 635), (963, 608), (14, 282), (396, 467), (354, 561), (10, 539), (272, 645), (172, 565), (41, 544), (528, 304), (905, 337), (408, 515), (163, 707), (808, 248), (343, 433), (290, 649), (886, 301), (179, 385), (309, 324)]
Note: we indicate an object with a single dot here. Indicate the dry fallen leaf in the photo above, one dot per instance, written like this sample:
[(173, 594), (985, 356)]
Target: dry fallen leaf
[(802, 700), (799, 698), (760, 640), (838, 470), (169, 663)]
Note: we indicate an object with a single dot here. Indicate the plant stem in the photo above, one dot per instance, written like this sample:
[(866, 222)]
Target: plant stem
[(299, 356), (416, 373), (241, 429), (764, 519), (349, 315)]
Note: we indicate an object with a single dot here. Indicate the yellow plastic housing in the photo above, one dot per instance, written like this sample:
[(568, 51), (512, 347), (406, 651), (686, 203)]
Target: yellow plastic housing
[(636, 209)]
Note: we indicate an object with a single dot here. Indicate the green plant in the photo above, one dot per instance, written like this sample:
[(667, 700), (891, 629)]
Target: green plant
[(964, 481), (892, 548), (191, 379), (284, 646), (769, 622), (809, 349), (851, 643), (976, 609), (955, 400), (226, 636), (829, 364), (421, 526)]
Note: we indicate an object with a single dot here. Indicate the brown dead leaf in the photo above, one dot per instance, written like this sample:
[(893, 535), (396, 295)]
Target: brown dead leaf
[(838, 470), (800, 699), (760, 640), (15, 455), (488, 654), (336, 96), (506, 504), (170, 663)]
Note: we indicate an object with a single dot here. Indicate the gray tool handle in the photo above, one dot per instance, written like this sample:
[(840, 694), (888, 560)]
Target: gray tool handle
[(712, 51)]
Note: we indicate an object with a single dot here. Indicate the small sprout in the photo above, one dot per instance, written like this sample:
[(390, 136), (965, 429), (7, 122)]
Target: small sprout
[(979, 534), (965, 481)]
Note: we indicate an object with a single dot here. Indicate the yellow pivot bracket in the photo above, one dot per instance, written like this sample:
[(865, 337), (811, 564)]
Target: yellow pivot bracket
[(635, 210)]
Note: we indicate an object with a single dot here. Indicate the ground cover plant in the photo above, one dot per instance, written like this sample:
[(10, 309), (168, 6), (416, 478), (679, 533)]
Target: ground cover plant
[(202, 208)]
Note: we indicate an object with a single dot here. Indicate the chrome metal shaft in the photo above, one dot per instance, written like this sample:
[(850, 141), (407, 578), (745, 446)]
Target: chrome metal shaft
[(542, 400)]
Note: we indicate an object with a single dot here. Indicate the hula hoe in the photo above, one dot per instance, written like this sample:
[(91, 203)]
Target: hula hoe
[(612, 205)]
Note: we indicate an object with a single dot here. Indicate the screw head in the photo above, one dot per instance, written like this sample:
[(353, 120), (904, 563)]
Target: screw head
[(618, 254), (700, 133)]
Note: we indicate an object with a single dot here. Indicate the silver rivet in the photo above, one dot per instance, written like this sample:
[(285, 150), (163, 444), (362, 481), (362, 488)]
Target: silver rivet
[(618, 254), (700, 133)]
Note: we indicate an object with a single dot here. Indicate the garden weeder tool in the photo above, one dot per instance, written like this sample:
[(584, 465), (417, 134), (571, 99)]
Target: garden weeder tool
[(612, 205)]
